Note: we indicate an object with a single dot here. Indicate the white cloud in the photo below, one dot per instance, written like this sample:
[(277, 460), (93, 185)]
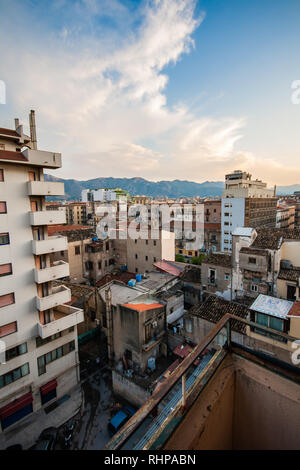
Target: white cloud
[(97, 100)]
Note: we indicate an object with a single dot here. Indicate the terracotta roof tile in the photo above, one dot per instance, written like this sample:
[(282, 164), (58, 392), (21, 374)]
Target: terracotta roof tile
[(143, 307), (214, 308), (14, 156), (218, 259)]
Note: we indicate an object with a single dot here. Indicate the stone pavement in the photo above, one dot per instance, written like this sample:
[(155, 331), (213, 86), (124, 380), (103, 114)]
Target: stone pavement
[(27, 432)]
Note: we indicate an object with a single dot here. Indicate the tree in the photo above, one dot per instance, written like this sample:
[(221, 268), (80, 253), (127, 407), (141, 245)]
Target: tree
[(179, 258), (198, 259)]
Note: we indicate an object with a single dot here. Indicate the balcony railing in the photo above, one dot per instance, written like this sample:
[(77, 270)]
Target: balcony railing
[(47, 217), (60, 295), (43, 158), (45, 188), (65, 317), (50, 245), (57, 271), (168, 405)]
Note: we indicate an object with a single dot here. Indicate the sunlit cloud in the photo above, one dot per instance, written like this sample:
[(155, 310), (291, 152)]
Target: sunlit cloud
[(100, 94)]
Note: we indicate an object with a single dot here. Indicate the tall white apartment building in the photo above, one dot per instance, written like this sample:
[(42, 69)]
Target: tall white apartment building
[(101, 195), (245, 203), (38, 329)]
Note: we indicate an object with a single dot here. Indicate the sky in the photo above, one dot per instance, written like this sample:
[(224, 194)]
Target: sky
[(159, 89)]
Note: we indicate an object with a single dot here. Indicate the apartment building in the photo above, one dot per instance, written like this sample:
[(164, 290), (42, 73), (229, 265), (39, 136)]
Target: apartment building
[(38, 328), (76, 213), (245, 203), (266, 261), (104, 195), (293, 200), (285, 216), (89, 258), (212, 211), (143, 252)]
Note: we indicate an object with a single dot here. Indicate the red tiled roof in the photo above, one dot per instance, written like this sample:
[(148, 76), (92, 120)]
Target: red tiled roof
[(295, 310), (11, 132), (65, 228), (14, 156), (122, 277), (168, 267), (142, 307)]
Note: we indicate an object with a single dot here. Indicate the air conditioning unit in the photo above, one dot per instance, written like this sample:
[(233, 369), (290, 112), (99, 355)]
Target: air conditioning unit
[(154, 324)]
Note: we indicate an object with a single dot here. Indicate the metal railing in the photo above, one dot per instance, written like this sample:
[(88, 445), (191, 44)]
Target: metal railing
[(151, 405)]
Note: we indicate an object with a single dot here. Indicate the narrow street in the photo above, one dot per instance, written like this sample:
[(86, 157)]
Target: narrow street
[(91, 428)]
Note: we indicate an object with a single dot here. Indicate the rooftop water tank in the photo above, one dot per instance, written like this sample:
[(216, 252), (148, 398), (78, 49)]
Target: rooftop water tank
[(138, 277), (132, 282)]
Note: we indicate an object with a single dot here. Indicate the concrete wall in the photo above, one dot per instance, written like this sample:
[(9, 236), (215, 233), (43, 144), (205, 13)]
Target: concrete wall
[(128, 390), (237, 211), (243, 407)]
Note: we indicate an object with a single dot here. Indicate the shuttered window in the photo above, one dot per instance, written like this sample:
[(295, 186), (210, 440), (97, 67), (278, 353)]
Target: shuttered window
[(7, 299), (5, 269), (8, 329), (4, 239), (3, 209), (1, 175)]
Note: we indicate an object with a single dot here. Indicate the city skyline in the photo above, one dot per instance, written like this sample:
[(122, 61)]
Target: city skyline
[(186, 90)]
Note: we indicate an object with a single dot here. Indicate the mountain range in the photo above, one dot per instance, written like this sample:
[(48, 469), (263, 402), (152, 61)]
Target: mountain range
[(140, 186)]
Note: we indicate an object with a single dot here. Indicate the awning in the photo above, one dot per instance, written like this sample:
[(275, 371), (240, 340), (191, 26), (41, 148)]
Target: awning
[(16, 405), (48, 387)]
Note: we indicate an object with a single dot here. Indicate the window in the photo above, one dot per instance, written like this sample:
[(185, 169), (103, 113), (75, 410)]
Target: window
[(154, 259), (212, 276), (188, 325), (51, 356), (4, 239), (62, 253), (40, 341), (2, 146), (3, 208), (254, 288), (16, 351), (7, 299), (135, 241), (146, 258), (146, 242), (8, 329), (227, 277), (14, 375), (1, 175), (99, 264), (252, 260), (154, 242), (136, 256), (5, 269), (77, 250)]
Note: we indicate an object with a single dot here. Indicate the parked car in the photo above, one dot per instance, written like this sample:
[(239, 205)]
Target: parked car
[(47, 440), (119, 419)]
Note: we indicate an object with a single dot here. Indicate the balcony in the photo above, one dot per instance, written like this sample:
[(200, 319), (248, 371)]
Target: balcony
[(45, 188), (42, 158), (58, 270), (60, 295), (64, 317), (47, 217), (50, 245)]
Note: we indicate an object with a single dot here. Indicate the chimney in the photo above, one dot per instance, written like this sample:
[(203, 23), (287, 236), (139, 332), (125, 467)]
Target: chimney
[(275, 190), (18, 127), (33, 129)]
